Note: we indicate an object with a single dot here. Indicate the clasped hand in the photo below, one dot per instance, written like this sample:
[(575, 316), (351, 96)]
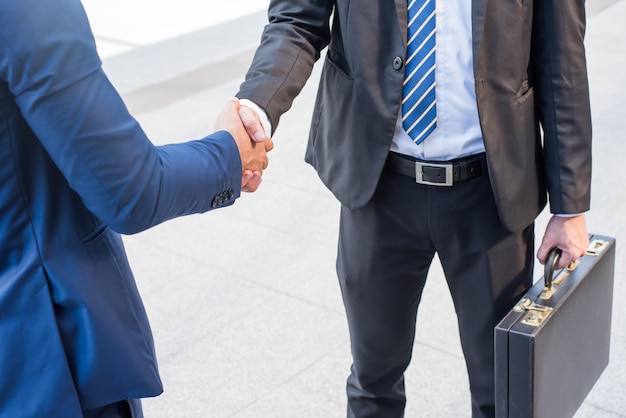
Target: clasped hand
[(569, 234), (252, 142)]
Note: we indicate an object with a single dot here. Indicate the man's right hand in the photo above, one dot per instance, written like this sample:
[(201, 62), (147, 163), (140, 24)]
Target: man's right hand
[(253, 154)]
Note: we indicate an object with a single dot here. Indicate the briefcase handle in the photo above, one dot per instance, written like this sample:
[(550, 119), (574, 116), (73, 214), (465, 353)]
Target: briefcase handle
[(553, 257)]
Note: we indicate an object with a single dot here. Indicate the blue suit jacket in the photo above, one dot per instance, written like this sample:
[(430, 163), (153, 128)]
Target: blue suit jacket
[(75, 170)]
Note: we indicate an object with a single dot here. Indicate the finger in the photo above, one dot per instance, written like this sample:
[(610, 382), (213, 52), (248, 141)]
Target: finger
[(567, 254), (570, 253), (255, 182), (564, 259), (562, 264), (544, 249), (269, 145), (246, 176), (252, 124)]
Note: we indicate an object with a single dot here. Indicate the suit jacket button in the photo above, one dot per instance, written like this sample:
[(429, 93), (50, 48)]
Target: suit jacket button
[(218, 200), (231, 193), (398, 63)]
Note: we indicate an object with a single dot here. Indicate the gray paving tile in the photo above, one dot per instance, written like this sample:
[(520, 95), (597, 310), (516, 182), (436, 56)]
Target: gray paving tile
[(221, 374), (155, 268), (318, 391), (198, 305), (608, 393)]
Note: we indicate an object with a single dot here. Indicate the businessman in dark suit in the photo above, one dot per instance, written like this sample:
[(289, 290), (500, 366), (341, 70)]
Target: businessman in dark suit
[(75, 171), (511, 118)]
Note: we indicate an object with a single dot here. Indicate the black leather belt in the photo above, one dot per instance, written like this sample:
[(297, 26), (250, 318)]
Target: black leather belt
[(438, 173)]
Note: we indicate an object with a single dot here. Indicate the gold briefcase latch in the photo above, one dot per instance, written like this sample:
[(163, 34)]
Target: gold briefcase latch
[(596, 246), (535, 313)]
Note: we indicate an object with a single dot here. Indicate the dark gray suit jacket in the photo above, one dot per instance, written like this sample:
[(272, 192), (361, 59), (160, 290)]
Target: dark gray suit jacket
[(531, 89)]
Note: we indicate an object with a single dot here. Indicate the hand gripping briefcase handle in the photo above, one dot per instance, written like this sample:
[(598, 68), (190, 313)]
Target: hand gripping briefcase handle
[(553, 257), (548, 275)]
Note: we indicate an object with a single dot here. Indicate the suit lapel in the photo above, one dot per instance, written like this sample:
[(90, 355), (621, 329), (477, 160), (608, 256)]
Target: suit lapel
[(479, 10), (401, 10)]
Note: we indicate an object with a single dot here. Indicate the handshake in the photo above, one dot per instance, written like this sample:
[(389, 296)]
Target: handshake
[(252, 142)]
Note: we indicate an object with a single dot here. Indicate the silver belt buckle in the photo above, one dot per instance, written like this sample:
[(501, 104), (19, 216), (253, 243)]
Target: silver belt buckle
[(419, 176)]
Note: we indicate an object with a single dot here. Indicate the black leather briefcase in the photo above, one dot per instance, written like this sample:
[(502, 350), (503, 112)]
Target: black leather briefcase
[(553, 346)]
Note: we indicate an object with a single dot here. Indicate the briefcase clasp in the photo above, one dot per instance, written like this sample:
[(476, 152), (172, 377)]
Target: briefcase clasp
[(535, 313), (596, 246)]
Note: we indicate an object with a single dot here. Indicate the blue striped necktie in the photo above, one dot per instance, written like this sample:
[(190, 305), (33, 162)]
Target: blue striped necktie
[(419, 110)]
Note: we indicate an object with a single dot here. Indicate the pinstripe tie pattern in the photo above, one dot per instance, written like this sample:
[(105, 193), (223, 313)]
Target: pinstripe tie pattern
[(419, 110)]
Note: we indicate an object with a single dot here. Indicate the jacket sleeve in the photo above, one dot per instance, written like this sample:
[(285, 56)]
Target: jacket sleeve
[(49, 62), (560, 77), (291, 43)]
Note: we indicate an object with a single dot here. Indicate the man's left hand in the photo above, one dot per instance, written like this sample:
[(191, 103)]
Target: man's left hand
[(568, 234)]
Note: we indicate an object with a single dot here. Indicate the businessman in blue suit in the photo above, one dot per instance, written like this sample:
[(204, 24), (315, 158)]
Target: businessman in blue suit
[(76, 170)]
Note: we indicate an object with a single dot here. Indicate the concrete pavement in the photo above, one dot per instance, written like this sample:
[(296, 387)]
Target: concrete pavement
[(244, 302)]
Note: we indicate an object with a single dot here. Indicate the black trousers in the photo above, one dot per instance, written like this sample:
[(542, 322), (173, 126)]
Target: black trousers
[(385, 251)]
